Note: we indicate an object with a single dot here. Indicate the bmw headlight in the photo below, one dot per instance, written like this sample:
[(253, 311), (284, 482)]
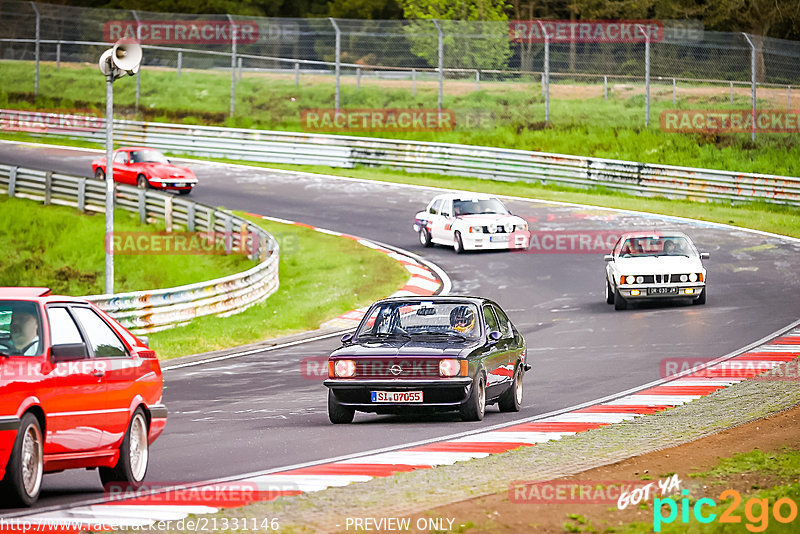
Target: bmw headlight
[(693, 277), (640, 279), (684, 278)]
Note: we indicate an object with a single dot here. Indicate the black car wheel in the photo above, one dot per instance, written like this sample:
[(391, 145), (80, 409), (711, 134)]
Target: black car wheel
[(141, 182), (458, 245), (511, 400), (134, 455), (619, 301), (702, 298), (424, 237), (23, 479), (475, 406), (609, 293), (100, 174), (337, 413)]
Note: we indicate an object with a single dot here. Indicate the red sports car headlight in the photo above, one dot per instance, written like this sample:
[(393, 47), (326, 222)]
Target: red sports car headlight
[(344, 368)]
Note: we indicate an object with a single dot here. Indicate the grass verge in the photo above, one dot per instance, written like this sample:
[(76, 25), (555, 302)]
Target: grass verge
[(321, 277), (60, 248), (503, 114)]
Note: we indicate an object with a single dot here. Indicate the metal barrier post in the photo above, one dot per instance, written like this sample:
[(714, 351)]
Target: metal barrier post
[(605, 87), (228, 236), (441, 65), (789, 97), (168, 213), (358, 78), (180, 63), (338, 61), (413, 82), (48, 187), (109, 277), (58, 55), (546, 74), (477, 80), (142, 206), (752, 82), (12, 181), (296, 74), (36, 52), (239, 67), (233, 65), (646, 74), (731, 93), (190, 211), (82, 194)]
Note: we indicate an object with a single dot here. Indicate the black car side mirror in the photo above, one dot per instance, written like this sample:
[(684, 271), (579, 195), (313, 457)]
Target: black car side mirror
[(494, 337), (68, 352), (347, 338), (608, 257), (704, 255)]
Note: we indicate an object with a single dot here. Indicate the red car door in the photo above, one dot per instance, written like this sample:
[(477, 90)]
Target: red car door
[(71, 392), (121, 373), (122, 168)]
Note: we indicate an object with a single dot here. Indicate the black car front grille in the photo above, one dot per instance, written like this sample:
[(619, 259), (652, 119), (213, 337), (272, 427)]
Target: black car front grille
[(398, 368)]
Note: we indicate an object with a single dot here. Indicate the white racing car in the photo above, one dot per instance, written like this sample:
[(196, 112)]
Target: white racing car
[(470, 221), (648, 265)]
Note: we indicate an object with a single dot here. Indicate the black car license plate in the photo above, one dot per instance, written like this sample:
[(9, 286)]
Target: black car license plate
[(662, 290)]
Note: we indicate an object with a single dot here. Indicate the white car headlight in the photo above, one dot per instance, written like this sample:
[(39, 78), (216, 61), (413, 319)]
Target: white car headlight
[(693, 277), (640, 279), (684, 278)]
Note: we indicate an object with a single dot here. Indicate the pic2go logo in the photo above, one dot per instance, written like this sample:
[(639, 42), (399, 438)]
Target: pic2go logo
[(756, 511)]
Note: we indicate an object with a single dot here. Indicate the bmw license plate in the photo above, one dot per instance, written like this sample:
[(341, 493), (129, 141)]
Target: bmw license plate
[(396, 396), (662, 290), (498, 239)]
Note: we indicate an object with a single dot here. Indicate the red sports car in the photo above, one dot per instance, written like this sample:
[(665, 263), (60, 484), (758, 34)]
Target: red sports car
[(77, 390), (145, 167)]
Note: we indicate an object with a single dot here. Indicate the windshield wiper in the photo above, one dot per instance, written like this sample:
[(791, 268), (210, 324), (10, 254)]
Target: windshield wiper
[(385, 335), (439, 334)]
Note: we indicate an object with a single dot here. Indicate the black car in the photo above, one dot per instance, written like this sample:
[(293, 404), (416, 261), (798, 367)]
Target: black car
[(428, 354)]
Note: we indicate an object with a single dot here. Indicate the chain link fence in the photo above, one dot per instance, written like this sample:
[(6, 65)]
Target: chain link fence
[(448, 57)]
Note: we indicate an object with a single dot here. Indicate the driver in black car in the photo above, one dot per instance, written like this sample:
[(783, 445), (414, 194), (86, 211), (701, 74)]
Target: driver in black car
[(462, 319)]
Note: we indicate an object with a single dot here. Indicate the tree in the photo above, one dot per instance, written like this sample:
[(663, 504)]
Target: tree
[(475, 32)]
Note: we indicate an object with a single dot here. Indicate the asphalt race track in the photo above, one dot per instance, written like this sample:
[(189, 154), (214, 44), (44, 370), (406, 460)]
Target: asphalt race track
[(258, 412)]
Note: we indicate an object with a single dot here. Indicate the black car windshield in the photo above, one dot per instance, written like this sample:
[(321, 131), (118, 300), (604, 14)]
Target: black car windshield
[(20, 328), (148, 156), (657, 246), (420, 318), (477, 207)]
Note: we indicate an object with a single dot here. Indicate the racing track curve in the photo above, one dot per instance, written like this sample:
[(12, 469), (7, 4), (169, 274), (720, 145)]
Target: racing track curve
[(258, 412)]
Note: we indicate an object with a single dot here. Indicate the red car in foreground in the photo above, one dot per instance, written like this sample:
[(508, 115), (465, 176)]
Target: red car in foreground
[(146, 167), (77, 390)]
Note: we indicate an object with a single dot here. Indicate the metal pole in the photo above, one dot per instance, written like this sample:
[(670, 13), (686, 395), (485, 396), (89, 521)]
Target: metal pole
[(233, 65), (605, 87), (138, 72), (338, 62), (109, 277), (296, 74), (239, 66), (753, 83), (789, 97), (180, 63), (58, 55), (36, 75), (477, 80), (731, 93), (441, 65), (646, 75), (358, 78), (413, 82), (546, 82), (674, 90)]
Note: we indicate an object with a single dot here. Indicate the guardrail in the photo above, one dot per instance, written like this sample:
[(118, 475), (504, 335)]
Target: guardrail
[(159, 309), (445, 158)]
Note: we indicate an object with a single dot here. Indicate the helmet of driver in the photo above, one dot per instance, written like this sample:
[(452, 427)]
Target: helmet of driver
[(462, 319)]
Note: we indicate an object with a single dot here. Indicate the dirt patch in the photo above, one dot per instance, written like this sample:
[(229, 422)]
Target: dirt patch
[(497, 513)]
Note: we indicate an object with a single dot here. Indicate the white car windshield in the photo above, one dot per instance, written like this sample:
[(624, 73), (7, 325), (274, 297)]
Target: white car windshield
[(420, 319), (148, 156), (478, 207), (657, 246)]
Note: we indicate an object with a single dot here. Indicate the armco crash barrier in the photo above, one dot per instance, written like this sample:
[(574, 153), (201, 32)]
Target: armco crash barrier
[(464, 160), (159, 309)]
